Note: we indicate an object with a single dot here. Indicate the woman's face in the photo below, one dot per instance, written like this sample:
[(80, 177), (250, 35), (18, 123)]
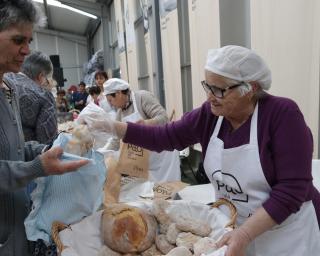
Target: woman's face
[(60, 96), (100, 80), (14, 46), (119, 101), (231, 104), (95, 96)]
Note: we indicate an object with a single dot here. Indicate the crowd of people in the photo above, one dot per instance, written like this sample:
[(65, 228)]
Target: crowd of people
[(77, 97)]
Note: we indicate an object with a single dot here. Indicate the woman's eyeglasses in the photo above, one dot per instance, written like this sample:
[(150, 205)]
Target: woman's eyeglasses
[(216, 91)]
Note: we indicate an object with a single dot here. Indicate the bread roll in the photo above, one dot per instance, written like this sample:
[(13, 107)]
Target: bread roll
[(162, 244), (196, 227), (81, 141), (128, 229), (205, 245), (179, 251)]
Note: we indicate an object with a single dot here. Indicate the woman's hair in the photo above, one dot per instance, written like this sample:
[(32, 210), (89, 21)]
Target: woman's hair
[(36, 63), (13, 12), (61, 92), (245, 88), (94, 90), (101, 73), (82, 83)]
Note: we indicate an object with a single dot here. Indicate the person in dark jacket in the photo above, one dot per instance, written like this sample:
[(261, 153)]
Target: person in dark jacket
[(79, 98), (20, 162)]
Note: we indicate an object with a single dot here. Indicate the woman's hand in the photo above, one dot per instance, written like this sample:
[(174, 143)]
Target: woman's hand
[(98, 122), (237, 241), (145, 122), (52, 164)]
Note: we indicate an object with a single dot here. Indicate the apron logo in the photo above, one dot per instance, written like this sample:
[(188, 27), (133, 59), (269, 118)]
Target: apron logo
[(231, 191)]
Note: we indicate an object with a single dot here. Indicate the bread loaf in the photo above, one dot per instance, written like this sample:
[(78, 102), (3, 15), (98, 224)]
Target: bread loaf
[(128, 229)]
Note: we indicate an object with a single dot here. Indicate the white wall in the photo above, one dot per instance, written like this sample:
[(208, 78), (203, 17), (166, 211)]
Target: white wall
[(171, 63), (286, 33), (202, 13), (71, 49)]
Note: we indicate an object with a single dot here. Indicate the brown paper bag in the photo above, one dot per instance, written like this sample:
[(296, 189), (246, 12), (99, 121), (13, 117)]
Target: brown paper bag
[(133, 161), (167, 190)]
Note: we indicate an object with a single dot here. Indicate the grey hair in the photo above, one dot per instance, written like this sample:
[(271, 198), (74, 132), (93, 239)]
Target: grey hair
[(36, 63), (245, 88), (14, 12)]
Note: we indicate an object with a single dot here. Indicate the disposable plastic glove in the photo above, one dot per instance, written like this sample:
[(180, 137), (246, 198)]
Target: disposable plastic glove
[(99, 122), (237, 241), (96, 119)]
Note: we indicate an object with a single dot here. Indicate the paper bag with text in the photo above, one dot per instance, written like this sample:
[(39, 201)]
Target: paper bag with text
[(167, 190), (133, 161)]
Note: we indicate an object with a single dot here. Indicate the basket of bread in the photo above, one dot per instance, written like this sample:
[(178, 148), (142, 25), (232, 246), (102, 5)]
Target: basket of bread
[(156, 227)]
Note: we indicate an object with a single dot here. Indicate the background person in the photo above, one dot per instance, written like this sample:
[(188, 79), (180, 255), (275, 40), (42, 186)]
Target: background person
[(37, 104), (142, 107), (257, 152), (79, 98), (100, 78), (61, 101), (20, 162), (94, 92)]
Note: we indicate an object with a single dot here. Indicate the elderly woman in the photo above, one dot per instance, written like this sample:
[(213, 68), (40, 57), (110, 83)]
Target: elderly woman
[(257, 152), (142, 107), (37, 104), (20, 162)]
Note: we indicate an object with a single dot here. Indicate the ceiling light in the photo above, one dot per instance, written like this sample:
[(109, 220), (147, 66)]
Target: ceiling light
[(59, 4)]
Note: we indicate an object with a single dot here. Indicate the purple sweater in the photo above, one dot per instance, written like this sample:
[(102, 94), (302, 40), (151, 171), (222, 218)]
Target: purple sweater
[(285, 148)]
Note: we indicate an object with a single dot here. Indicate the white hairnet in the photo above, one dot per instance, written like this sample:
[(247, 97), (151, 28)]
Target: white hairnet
[(113, 85), (239, 63)]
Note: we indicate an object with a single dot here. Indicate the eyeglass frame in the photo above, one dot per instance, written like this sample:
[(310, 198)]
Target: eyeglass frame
[(209, 88)]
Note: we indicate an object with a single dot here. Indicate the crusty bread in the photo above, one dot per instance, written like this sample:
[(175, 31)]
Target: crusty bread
[(128, 229)]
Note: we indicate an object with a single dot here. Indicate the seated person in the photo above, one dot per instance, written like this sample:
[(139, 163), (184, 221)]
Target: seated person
[(62, 103), (79, 98)]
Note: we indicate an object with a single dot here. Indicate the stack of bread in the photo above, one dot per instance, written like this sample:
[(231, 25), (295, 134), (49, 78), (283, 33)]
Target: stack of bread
[(81, 141), (132, 231)]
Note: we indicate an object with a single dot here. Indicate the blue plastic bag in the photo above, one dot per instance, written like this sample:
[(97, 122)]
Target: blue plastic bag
[(66, 198)]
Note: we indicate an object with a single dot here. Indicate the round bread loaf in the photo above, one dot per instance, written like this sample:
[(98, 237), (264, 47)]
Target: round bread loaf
[(128, 229)]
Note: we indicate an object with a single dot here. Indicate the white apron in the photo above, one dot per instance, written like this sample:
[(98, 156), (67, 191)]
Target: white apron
[(164, 166), (237, 175)]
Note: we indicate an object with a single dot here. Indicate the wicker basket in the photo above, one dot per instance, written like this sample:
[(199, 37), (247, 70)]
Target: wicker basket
[(58, 226)]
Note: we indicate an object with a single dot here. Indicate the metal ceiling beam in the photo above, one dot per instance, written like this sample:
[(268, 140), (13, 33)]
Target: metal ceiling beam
[(74, 37), (106, 2), (105, 34), (48, 14), (82, 3), (92, 8), (92, 27)]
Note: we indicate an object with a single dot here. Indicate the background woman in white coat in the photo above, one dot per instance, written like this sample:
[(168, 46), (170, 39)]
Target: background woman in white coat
[(142, 107)]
